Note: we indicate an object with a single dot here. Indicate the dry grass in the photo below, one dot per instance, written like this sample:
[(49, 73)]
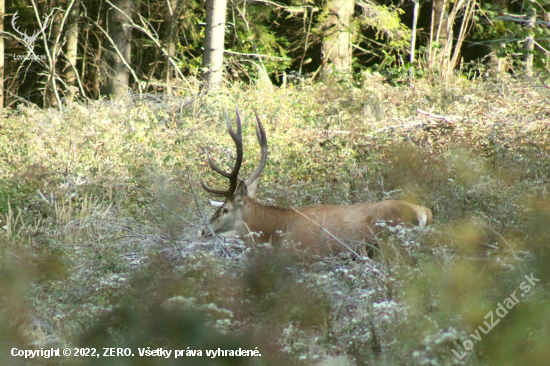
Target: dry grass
[(100, 206)]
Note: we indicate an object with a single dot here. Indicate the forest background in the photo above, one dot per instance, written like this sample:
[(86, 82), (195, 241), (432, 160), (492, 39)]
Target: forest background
[(59, 51)]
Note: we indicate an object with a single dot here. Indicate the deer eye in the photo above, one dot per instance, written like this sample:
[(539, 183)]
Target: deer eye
[(225, 210)]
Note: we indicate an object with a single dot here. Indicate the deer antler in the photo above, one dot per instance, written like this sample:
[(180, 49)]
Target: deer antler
[(234, 174), (262, 140)]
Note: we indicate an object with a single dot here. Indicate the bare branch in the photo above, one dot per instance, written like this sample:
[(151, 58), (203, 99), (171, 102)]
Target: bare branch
[(256, 55), (153, 38), (51, 60), (446, 119), (331, 235), (290, 9), (117, 51)]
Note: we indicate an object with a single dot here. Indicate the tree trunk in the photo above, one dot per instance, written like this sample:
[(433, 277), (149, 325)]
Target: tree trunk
[(529, 45), (214, 36), (95, 73), (337, 38), (171, 37), (121, 34), (440, 39), (92, 56), (498, 65), (71, 48), (413, 38), (50, 99)]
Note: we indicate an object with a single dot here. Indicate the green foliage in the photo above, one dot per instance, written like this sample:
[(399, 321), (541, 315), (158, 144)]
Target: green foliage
[(506, 34), (98, 245), (249, 33), (257, 38), (391, 36)]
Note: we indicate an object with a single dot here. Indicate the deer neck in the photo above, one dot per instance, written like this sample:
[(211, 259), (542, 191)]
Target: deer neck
[(270, 221)]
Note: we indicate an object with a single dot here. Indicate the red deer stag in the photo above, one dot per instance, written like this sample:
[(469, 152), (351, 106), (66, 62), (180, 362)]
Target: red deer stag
[(319, 230)]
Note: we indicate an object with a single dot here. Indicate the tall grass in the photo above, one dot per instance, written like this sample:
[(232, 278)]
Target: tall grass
[(100, 207)]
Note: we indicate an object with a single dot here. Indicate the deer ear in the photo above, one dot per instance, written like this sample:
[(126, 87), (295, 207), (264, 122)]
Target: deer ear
[(252, 188), (241, 192)]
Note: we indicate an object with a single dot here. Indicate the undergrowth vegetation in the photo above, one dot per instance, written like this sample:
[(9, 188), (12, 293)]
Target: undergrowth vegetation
[(100, 207)]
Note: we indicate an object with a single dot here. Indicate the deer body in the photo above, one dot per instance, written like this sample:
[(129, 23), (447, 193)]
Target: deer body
[(318, 229)]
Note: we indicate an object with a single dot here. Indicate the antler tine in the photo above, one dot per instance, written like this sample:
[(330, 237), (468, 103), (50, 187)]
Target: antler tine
[(234, 174), (215, 192), (238, 138), (262, 140), (214, 167)]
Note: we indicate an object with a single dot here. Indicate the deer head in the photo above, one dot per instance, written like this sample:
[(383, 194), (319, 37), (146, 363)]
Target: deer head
[(238, 197)]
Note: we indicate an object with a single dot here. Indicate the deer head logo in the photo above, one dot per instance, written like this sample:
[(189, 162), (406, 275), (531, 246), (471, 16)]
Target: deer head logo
[(29, 40)]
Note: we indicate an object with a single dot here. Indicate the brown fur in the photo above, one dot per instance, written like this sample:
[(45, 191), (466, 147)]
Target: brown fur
[(313, 229)]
